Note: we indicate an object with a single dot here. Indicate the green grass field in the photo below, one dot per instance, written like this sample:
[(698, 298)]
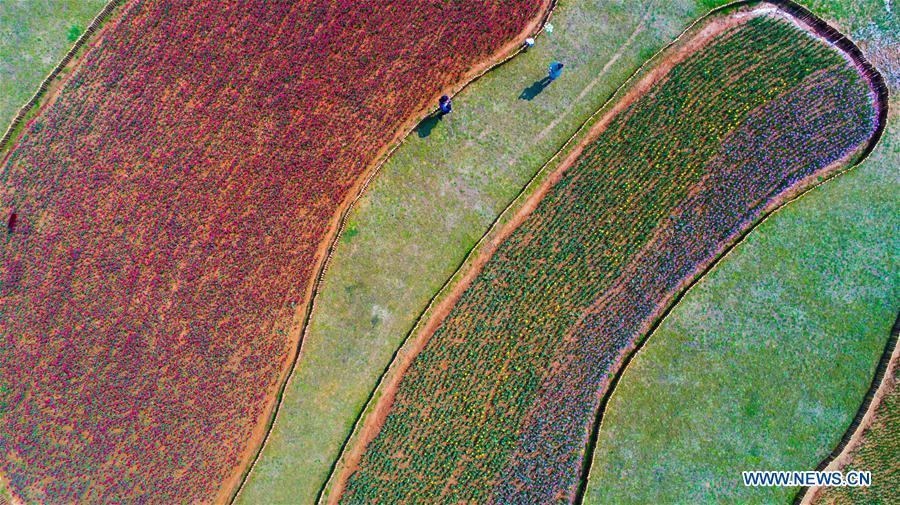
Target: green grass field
[(430, 204), (34, 36), (764, 364), (879, 453)]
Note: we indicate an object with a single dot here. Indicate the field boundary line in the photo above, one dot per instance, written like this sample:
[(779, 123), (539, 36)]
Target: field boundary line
[(20, 120), (640, 346), (820, 28), (336, 227), (882, 384)]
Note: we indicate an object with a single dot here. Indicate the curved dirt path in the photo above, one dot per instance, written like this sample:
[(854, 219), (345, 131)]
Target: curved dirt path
[(374, 415)]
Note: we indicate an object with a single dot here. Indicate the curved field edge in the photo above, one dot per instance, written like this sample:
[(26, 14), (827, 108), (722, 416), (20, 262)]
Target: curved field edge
[(700, 393), (53, 82), (485, 244), (881, 401), (689, 388), (504, 54), (739, 4)]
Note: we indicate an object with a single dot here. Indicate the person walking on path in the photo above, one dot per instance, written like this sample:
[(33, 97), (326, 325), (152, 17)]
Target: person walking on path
[(445, 105), (555, 70)]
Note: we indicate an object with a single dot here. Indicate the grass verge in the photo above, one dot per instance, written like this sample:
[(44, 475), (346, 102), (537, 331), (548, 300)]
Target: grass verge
[(36, 36)]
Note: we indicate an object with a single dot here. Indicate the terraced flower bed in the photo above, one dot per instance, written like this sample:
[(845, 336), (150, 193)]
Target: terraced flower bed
[(501, 401), (172, 207)]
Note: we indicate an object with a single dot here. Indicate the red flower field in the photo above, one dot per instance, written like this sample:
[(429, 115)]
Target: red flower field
[(172, 206)]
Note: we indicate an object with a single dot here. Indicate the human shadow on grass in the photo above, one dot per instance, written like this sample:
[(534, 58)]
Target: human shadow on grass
[(428, 124), (535, 89)]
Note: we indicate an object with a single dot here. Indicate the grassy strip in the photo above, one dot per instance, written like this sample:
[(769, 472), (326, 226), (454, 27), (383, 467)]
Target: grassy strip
[(505, 54), (42, 34), (878, 452)]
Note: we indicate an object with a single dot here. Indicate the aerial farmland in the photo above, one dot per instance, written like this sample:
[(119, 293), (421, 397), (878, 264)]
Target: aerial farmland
[(429, 252)]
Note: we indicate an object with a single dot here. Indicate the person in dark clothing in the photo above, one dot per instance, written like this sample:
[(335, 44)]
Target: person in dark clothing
[(445, 105), (11, 223), (555, 70)]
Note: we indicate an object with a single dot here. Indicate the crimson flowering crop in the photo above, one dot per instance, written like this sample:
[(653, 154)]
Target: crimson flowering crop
[(499, 405), (171, 205)]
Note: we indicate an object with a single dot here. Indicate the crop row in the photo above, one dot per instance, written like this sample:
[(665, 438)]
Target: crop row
[(499, 405), (171, 208)]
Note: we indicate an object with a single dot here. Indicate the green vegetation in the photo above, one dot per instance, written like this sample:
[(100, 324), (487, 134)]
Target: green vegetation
[(879, 453), (764, 363), (34, 36), (75, 31)]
